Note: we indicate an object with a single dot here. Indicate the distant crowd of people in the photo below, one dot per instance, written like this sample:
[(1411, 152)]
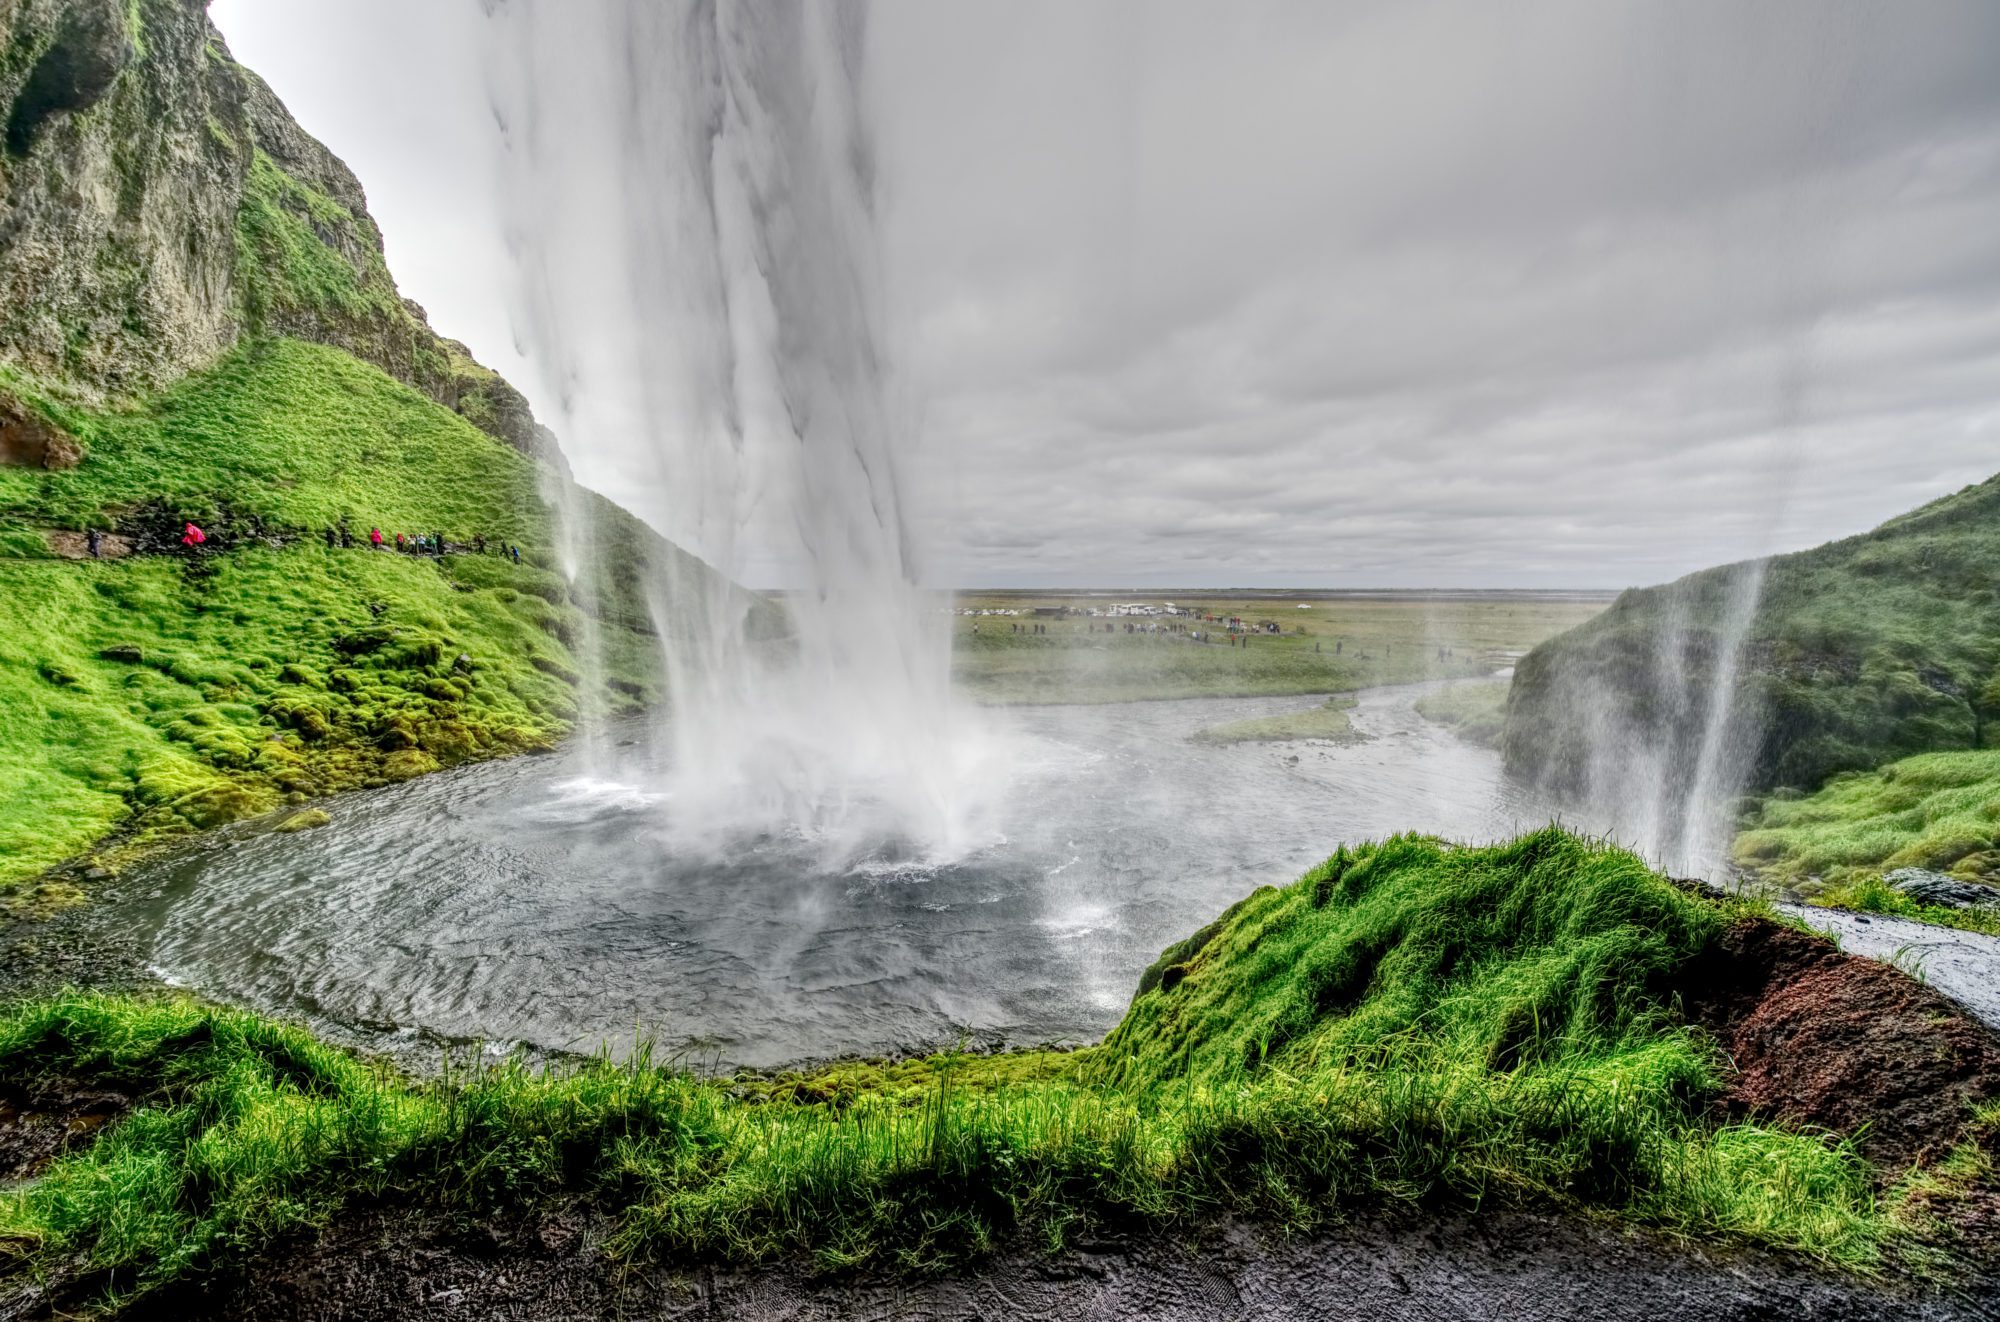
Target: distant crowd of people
[(193, 538), (419, 543)]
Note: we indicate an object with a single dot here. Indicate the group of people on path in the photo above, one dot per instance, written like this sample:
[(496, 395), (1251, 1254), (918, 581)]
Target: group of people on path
[(420, 543), (193, 538)]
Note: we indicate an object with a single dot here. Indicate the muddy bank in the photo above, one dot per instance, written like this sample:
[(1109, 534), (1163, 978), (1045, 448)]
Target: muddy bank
[(1834, 1041), (1503, 1266), (1963, 965)]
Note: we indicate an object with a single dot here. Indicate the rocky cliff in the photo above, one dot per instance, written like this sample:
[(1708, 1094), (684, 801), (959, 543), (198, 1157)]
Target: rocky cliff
[(158, 205)]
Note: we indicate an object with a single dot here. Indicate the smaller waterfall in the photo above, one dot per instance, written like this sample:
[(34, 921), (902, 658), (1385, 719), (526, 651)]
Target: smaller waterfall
[(1729, 736)]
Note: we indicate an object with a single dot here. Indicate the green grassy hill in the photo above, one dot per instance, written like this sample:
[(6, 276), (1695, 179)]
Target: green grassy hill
[(1410, 1023), (1862, 651), (157, 692)]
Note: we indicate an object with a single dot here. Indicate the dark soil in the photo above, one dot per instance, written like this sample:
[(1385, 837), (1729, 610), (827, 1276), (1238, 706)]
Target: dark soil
[(1502, 1266), (40, 1123), (1848, 1044)]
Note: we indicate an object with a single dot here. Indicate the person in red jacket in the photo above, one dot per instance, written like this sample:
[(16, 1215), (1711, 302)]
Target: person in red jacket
[(375, 538), (193, 537)]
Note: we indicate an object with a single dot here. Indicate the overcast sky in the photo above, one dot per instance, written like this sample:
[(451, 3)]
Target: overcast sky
[(1579, 294)]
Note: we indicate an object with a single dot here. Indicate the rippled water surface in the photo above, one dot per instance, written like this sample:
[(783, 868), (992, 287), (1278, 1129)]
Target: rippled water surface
[(527, 901)]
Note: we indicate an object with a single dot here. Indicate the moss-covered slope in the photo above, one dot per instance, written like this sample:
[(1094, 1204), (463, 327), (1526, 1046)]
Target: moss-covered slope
[(1861, 652), (1939, 811), (156, 691)]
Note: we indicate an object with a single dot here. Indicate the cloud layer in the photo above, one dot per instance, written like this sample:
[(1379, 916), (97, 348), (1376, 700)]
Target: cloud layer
[(1366, 294)]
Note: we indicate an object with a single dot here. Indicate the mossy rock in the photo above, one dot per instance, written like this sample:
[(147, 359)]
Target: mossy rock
[(309, 820), (56, 675), (222, 803), (362, 642), (408, 765)]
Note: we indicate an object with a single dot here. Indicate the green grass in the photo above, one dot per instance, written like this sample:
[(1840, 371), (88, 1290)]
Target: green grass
[(1410, 1022), (1939, 811), (1476, 712), (276, 669), (287, 435), (1329, 721)]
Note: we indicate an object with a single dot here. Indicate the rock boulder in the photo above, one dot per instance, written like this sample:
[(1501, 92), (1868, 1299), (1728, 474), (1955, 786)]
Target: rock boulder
[(1927, 887)]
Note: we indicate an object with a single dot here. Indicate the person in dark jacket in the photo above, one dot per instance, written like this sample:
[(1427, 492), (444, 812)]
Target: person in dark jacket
[(96, 541)]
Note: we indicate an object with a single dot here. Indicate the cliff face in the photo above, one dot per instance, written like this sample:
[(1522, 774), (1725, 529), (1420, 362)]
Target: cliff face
[(126, 155), (158, 204)]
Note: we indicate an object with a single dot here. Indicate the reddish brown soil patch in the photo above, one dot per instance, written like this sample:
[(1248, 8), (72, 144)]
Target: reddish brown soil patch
[(1822, 1038), (40, 1124)]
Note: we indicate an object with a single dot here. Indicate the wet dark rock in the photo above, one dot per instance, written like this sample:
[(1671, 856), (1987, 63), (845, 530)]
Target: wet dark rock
[(49, 1119), (1371, 1269), (88, 50), (1927, 887), (125, 653)]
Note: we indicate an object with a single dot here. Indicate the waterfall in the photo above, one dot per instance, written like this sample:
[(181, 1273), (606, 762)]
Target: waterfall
[(691, 199)]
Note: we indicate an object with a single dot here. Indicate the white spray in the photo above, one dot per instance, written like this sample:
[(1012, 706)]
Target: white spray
[(699, 176)]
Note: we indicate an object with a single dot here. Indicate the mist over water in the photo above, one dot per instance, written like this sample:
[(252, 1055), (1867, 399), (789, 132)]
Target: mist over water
[(706, 169)]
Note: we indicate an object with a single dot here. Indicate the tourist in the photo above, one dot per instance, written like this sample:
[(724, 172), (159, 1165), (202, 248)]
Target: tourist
[(193, 537), (375, 538), (96, 541), (479, 543), (517, 555), (399, 541)]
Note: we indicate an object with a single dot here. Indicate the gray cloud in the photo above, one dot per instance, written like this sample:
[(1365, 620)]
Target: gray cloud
[(1376, 293)]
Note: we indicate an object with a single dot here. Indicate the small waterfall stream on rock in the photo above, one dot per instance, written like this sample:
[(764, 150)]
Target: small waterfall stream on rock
[(691, 204), (1671, 756)]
